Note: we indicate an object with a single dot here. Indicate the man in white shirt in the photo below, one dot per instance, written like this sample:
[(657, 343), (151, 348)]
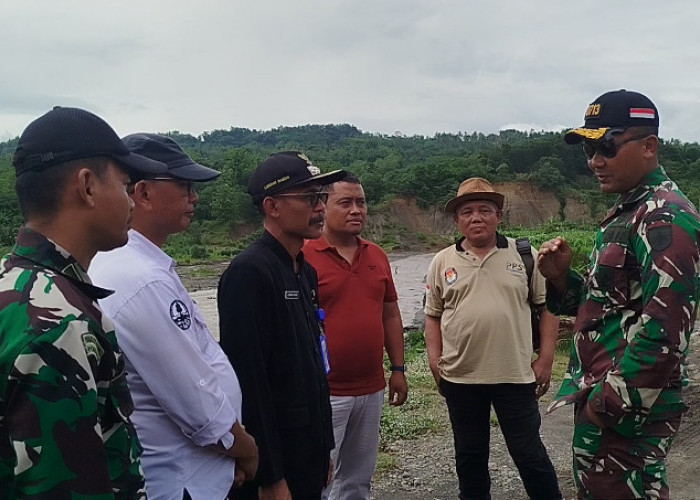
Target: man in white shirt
[(186, 394)]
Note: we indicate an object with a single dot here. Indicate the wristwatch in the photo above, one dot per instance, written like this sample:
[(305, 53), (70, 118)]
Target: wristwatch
[(398, 368)]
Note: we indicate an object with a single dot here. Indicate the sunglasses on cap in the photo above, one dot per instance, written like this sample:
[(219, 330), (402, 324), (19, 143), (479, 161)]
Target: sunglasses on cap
[(607, 147)]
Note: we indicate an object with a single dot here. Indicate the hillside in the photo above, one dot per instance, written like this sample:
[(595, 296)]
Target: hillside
[(403, 225), (406, 179)]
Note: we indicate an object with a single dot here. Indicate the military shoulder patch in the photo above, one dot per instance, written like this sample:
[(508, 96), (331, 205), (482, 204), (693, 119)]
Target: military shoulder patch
[(92, 346), (659, 237), (180, 314)]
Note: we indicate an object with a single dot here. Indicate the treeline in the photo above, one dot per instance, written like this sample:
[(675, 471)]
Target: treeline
[(426, 168)]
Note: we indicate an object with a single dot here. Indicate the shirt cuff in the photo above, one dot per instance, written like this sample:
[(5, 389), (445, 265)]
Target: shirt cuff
[(568, 301), (227, 440)]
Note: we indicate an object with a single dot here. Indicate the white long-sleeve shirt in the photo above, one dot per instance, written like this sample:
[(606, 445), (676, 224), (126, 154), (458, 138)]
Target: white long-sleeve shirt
[(186, 394)]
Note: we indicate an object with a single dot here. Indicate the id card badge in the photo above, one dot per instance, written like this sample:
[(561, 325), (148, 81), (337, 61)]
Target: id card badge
[(322, 344), (324, 353)]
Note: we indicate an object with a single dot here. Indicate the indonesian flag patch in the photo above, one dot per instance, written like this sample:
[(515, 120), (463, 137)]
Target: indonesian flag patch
[(642, 113)]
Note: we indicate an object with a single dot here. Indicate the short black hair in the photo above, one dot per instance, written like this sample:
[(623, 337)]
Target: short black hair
[(349, 178), (40, 192), (644, 130)]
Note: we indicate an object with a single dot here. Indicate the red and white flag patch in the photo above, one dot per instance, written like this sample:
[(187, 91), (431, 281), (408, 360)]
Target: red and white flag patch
[(642, 113)]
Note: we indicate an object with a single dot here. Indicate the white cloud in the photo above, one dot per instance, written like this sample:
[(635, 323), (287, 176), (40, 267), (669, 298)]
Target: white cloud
[(417, 66)]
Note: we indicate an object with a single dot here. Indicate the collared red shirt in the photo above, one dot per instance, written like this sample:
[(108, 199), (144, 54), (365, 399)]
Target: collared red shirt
[(635, 308), (64, 402), (353, 296), (185, 392)]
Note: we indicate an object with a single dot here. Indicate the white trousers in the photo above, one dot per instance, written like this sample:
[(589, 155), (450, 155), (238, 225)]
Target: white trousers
[(356, 432)]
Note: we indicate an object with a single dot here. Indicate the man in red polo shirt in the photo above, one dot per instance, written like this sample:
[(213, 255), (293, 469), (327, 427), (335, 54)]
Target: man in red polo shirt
[(357, 293)]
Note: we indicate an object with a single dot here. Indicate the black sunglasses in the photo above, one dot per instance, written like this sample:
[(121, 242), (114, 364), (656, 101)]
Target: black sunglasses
[(312, 198), (188, 185), (607, 147)]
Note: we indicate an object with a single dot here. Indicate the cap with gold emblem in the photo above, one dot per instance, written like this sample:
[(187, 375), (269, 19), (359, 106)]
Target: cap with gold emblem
[(285, 170), (615, 111)]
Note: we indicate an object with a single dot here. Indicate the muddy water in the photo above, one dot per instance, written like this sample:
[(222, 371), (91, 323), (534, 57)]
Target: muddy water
[(409, 277)]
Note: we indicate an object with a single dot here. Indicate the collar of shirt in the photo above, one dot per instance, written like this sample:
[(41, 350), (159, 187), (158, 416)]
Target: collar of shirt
[(322, 245), (270, 241), (143, 245), (650, 182), (36, 248), (501, 242)]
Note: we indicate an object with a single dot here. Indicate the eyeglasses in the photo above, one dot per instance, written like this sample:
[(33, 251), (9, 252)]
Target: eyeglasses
[(607, 148), (187, 185), (312, 198), (482, 212)]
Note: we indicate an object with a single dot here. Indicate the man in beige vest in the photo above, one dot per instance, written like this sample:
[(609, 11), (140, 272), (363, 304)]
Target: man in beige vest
[(479, 342)]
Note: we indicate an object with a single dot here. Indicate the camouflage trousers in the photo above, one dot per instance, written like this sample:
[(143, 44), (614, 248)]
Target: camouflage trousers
[(610, 466)]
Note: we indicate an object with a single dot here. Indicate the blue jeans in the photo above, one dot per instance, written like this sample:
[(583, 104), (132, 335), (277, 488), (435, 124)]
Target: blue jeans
[(469, 406)]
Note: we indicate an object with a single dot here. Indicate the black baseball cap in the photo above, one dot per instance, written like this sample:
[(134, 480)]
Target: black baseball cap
[(166, 150), (285, 170), (65, 134), (615, 110)]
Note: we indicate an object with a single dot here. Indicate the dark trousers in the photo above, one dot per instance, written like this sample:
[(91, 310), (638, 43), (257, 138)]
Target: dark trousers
[(249, 491), (469, 406)]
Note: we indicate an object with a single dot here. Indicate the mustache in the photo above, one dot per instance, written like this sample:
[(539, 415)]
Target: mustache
[(317, 220)]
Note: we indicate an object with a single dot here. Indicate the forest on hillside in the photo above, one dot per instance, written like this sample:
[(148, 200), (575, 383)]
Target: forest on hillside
[(428, 169)]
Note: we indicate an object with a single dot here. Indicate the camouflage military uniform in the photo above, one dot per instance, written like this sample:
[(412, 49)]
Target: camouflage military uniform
[(64, 403), (635, 310)]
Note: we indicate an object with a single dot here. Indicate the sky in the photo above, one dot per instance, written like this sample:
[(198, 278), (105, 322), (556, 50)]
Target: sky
[(414, 67)]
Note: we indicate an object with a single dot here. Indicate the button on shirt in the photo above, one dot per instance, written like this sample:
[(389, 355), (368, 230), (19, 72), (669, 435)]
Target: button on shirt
[(185, 392)]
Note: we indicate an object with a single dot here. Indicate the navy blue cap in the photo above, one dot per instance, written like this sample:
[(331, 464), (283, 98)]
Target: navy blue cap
[(166, 150), (65, 134), (285, 170), (615, 110)]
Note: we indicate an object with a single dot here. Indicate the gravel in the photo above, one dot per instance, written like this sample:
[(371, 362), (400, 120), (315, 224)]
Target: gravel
[(425, 466)]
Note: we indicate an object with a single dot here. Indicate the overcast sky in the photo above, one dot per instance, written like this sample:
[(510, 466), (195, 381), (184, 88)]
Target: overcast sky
[(418, 67)]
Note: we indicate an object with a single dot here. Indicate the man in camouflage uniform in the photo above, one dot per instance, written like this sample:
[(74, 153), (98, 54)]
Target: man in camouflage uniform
[(635, 307), (64, 402)]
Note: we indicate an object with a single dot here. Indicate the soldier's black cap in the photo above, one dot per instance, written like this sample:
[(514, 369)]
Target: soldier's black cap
[(166, 150), (615, 110), (285, 170), (65, 134)]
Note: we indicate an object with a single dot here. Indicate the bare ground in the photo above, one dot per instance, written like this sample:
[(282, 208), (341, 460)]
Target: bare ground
[(425, 466)]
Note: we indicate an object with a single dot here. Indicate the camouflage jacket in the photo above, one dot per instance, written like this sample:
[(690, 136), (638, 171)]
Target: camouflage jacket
[(64, 402), (635, 308)]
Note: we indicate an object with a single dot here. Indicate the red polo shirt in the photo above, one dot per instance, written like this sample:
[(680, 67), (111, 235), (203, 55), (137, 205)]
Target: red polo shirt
[(353, 297)]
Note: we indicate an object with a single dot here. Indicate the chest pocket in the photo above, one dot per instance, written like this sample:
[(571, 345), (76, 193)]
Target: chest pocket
[(611, 275)]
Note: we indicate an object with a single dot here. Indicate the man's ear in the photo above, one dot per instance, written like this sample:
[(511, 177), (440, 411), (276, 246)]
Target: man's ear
[(142, 195), (651, 146), (270, 207), (86, 184)]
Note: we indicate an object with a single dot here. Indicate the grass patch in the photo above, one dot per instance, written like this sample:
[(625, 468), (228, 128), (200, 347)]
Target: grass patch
[(205, 242), (425, 411)]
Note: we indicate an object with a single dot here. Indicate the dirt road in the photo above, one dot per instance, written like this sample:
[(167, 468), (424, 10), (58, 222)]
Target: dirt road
[(426, 467)]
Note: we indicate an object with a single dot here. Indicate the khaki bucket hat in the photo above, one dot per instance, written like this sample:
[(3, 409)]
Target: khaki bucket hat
[(474, 188)]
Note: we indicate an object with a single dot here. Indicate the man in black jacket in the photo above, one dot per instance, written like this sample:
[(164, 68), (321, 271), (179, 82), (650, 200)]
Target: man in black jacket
[(272, 331)]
